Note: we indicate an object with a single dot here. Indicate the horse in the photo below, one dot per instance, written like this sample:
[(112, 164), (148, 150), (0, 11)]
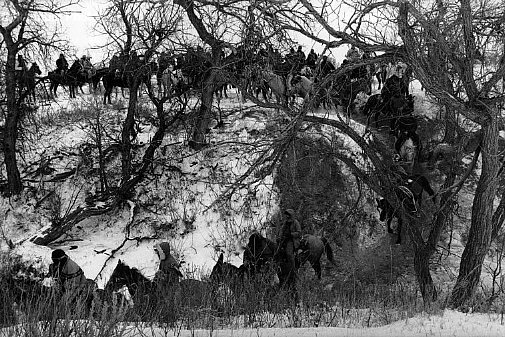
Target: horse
[(387, 213), (97, 76), (313, 248), (225, 271), (226, 281), (300, 86), (26, 81), (277, 84), (174, 82), (393, 108), (74, 77), (122, 79), (251, 82), (262, 256), (123, 275), (410, 196), (344, 92), (144, 292)]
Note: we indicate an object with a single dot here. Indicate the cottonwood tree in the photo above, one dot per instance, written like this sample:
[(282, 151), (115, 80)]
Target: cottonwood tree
[(233, 24), (136, 27), (463, 81), (145, 26), (24, 27)]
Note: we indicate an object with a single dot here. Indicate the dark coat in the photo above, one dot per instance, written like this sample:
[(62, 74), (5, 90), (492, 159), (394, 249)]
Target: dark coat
[(69, 274), (61, 63), (291, 230), (168, 263)]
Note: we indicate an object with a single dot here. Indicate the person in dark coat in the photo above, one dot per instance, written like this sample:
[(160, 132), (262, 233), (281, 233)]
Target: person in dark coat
[(168, 272), (68, 273), (291, 233), (326, 67), (300, 59), (311, 59), (61, 65)]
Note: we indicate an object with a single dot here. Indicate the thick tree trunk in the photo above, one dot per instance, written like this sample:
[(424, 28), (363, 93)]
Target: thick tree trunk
[(423, 275), (479, 237), (14, 182), (204, 116)]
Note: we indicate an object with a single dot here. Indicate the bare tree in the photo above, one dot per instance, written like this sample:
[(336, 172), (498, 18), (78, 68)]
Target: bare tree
[(23, 27), (441, 42), (231, 23), (137, 28)]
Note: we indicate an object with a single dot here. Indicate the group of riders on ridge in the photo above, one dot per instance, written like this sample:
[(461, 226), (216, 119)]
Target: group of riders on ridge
[(194, 62)]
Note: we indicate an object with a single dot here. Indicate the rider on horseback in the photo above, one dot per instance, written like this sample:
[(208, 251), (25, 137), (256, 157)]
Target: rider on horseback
[(70, 277), (169, 267), (86, 65), (289, 240), (311, 60), (61, 65)]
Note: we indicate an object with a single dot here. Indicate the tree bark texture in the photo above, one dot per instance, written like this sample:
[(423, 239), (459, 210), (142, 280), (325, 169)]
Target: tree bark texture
[(14, 183), (479, 238)]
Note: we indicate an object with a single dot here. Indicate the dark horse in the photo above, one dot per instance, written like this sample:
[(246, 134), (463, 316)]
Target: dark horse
[(410, 196), (26, 81), (225, 272), (392, 108), (313, 248), (343, 92), (75, 77), (262, 256), (227, 283), (150, 296), (122, 77)]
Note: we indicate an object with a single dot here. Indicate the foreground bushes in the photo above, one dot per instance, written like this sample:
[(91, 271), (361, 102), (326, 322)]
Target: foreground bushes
[(29, 309)]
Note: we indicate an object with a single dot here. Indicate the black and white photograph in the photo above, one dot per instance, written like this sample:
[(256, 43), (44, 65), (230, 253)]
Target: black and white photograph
[(233, 168)]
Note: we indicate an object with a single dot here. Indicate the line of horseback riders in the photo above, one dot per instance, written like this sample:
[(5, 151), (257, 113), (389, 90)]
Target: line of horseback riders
[(69, 277), (193, 65)]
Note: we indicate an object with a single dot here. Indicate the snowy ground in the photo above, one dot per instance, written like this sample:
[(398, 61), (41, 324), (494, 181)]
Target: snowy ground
[(91, 243), (450, 323), (447, 324)]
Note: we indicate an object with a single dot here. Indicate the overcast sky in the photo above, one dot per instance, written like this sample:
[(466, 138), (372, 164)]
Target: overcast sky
[(79, 30)]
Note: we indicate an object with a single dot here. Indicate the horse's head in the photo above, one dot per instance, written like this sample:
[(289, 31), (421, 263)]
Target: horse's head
[(225, 272), (124, 275), (218, 270)]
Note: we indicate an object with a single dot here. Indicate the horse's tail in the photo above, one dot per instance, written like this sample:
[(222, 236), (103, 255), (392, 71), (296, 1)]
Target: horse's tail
[(329, 250)]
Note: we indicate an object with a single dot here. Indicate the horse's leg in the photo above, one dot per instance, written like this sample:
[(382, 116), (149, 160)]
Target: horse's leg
[(317, 267)]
